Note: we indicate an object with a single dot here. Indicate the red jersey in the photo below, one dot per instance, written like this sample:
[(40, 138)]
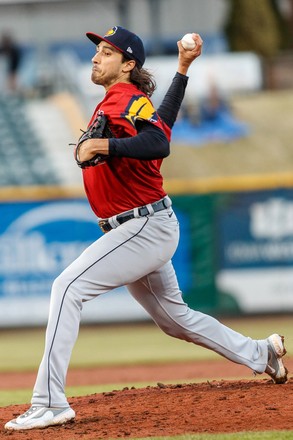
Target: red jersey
[(122, 183)]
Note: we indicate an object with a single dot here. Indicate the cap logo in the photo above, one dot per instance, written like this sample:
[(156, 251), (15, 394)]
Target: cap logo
[(111, 32), (129, 50)]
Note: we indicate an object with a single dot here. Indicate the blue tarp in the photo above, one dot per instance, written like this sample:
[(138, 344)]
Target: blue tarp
[(223, 128)]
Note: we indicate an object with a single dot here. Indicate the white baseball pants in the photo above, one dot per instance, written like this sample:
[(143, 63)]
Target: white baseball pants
[(138, 255)]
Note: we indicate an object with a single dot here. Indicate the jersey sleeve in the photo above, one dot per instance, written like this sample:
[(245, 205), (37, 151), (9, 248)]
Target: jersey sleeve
[(125, 106), (140, 108)]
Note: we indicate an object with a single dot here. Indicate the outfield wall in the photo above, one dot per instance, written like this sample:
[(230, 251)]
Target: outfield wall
[(235, 253)]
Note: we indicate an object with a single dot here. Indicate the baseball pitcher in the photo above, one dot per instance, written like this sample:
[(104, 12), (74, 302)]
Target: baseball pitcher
[(120, 157)]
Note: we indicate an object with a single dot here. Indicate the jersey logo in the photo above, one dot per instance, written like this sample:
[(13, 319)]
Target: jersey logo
[(139, 107)]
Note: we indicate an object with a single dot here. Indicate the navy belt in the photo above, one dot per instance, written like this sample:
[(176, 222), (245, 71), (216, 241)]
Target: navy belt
[(142, 211)]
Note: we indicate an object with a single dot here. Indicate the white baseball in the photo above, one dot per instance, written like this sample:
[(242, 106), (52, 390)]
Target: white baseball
[(188, 42)]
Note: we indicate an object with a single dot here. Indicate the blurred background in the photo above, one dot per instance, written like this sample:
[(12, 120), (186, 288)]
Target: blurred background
[(230, 173)]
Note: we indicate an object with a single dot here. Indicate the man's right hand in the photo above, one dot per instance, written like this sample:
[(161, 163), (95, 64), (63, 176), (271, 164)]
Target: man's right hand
[(186, 57)]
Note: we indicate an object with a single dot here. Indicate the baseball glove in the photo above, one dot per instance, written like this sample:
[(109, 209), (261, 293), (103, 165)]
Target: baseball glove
[(99, 129)]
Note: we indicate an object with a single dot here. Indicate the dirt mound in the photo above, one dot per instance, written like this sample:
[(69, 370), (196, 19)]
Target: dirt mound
[(210, 407)]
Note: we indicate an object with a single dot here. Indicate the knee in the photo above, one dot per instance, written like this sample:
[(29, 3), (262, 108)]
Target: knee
[(59, 284), (174, 330), (62, 286), (64, 291)]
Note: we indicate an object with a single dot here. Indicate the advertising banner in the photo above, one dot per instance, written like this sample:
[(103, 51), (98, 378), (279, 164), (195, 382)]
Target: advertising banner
[(38, 240), (255, 249), (235, 255)]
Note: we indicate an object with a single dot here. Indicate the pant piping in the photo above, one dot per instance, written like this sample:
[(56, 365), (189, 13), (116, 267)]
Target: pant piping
[(63, 299)]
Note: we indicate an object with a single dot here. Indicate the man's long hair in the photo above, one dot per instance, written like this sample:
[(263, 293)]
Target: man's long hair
[(143, 80)]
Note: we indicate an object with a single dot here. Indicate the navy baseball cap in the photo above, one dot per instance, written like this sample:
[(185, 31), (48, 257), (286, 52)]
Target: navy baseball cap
[(123, 40)]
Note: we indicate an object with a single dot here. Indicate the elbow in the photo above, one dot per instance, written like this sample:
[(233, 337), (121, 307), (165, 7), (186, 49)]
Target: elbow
[(163, 146), (166, 149)]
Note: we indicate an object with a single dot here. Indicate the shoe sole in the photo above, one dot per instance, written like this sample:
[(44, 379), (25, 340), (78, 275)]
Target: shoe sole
[(57, 420), (277, 343)]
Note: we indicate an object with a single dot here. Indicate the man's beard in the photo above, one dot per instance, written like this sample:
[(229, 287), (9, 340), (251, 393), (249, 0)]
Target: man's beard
[(96, 80)]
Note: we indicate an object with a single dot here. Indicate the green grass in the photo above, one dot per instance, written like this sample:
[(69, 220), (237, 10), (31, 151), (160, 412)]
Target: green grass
[(128, 344)]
